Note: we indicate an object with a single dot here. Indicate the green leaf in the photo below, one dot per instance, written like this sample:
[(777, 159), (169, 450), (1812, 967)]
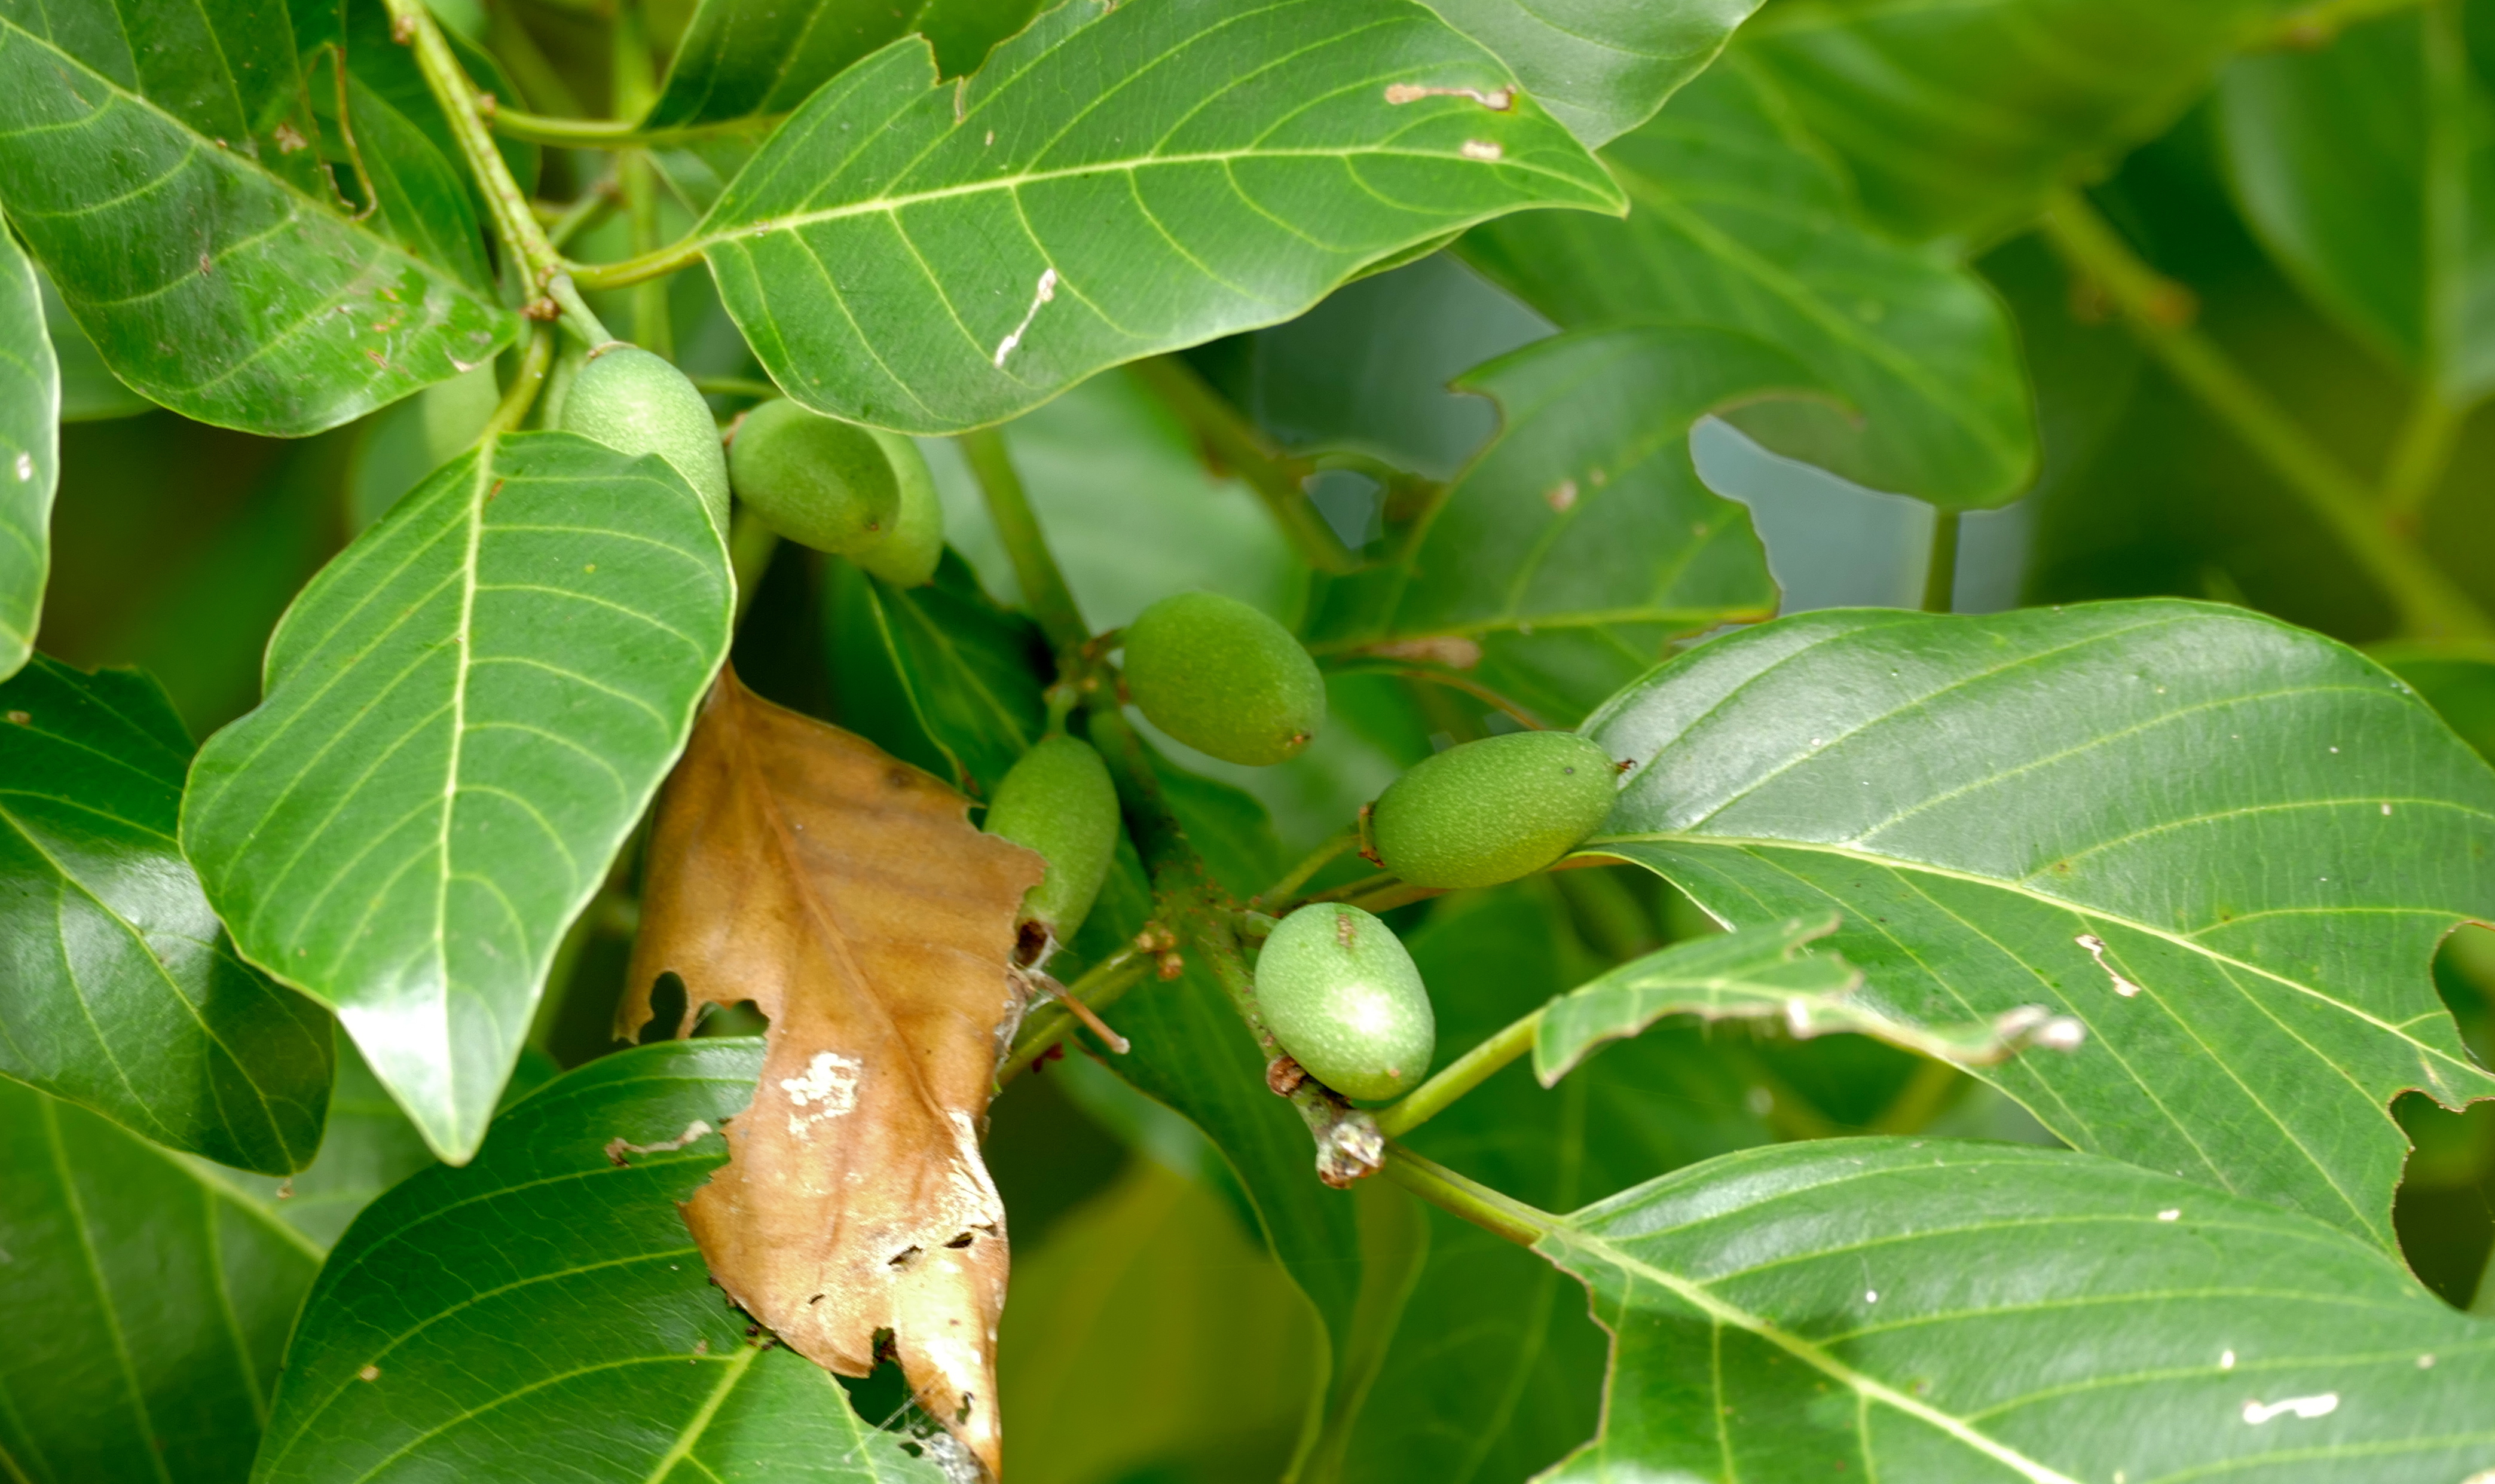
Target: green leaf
[(30, 454), (1610, 64), (2227, 846), (147, 1305), (1585, 512), (490, 684), (2458, 684), (753, 59), (945, 670), (1956, 119), (1940, 1312), (367, 1147), (1738, 222), (2341, 157), (1495, 1371), (124, 995), (632, 1366), (89, 390), (157, 162), (934, 259), (1759, 973)]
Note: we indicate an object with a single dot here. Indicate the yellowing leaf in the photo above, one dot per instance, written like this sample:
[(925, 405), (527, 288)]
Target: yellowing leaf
[(845, 894)]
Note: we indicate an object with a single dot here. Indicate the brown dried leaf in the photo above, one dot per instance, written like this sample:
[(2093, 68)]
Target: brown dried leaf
[(849, 897)]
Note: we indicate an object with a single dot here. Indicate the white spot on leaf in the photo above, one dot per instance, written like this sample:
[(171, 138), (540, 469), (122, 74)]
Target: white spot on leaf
[(1483, 150), (1046, 292), (829, 1086), (2306, 1408), (2096, 948), (2170, 1214)]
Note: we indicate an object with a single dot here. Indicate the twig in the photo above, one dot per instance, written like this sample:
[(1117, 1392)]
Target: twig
[(1241, 448), (1044, 586), (1298, 876), (2429, 604)]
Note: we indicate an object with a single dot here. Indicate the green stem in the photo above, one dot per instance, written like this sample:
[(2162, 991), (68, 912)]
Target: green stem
[(1940, 572), (1050, 1026), (1501, 1216), (525, 384), (582, 214), (2429, 605), (578, 315), (1459, 1077), (2315, 25), (1243, 448), (671, 259), (569, 133), (1044, 586), (2419, 458), (735, 386), (1316, 861), (513, 222)]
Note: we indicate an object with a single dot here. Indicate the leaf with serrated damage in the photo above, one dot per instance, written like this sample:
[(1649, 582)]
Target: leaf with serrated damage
[(847, 894)]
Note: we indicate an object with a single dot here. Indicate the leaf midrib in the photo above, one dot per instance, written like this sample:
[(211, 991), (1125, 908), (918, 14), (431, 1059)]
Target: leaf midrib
[(1721, 1311), (1592, 847)]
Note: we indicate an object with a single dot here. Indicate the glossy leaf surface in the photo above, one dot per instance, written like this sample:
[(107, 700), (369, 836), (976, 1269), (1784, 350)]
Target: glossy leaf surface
[(491, 683), (159, 161), (2226, 846), (1760, 973), (1738, 221), (634, 1368), (1114, 182), (1604, 68), (1586, 511), (1939, 1311), (1494, 1370), (1956, 119), (30, 459), (758, 59), (2342, 157), (123, 993), (148, 1304)]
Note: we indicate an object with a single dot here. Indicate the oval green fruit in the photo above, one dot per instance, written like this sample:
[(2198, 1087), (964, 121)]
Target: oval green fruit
[(1223, 678), (816, 481), (906, 556), (1058, 800), (635, 403), (1490, 811), (1340, 993)]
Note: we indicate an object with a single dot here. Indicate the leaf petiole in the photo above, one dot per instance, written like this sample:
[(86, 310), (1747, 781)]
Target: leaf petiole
[(1459, 1077), (1499, 1214), (525, 384)]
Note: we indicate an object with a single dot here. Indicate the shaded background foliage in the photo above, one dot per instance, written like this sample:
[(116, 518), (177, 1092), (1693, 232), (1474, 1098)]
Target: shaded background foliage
[(1152, 1335)]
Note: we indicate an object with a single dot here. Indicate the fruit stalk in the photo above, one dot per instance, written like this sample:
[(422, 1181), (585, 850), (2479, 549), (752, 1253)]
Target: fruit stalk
[(1459, 1077)]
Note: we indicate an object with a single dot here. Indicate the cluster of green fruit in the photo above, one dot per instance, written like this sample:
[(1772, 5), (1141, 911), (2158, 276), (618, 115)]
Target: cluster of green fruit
[(859, 492), (1335, 986), (1334, 983)]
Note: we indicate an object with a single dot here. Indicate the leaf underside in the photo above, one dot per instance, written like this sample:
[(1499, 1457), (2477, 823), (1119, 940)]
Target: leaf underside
[(1737, 221), (123, 993), (2226, 846), (631, 1371), (466, 713), (1587, 513), (1115, 182), (1943, 1310)]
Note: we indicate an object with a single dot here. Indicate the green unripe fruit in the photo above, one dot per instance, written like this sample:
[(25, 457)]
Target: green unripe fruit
[(906, 556), (1344, 1000), (1058, 800), (1223, 679), (1490, 811), (635, 403), (816, 481)]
